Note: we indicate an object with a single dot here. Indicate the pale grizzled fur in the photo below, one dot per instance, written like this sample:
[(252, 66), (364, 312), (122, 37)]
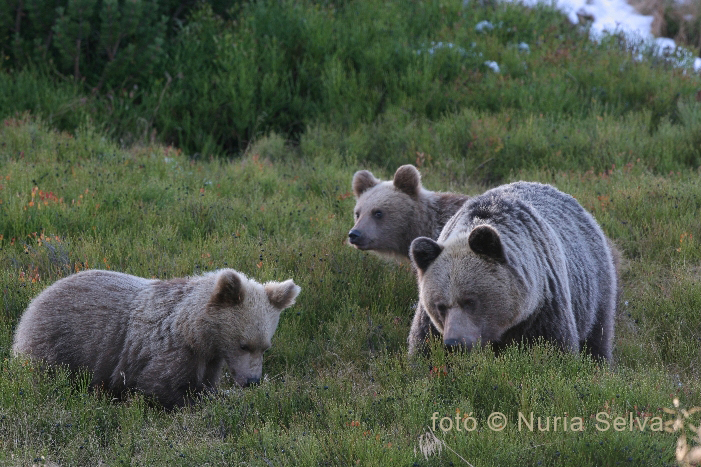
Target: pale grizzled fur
[(390, 214), (519, 262), (163, 338)]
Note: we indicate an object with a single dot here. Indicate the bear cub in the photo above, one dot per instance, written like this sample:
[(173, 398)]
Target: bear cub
[(166, 338), (520, 262), (390, 214)]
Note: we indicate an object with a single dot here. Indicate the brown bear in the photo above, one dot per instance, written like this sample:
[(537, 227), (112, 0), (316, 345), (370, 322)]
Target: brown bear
[(520, 262), (390, 214), (165, 338)]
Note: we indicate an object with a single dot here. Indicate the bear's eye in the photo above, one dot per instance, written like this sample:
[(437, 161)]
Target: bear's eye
[(245, 348), (467, 303), (441, 308), (377, 214), (357, 214)]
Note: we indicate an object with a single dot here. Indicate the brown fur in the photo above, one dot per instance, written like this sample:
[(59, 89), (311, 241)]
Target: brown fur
[(407, 211), (390, 214), (167, 339)]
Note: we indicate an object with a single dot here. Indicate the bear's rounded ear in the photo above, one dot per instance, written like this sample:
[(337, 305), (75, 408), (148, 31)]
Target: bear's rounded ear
[(424, 251), (282, 294), (408, 179), (485, 240), (228, 290), (363, 180)]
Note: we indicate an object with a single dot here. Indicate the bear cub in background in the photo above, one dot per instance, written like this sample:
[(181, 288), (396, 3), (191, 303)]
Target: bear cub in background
[(166, 338), (390, 214), (519, 262)]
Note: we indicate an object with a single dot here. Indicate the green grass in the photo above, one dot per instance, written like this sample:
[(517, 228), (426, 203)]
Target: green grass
[(339, 388), (258, 145)]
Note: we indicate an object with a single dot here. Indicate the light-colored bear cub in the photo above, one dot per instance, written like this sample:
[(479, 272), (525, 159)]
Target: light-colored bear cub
[(166, 338), (390, 214)]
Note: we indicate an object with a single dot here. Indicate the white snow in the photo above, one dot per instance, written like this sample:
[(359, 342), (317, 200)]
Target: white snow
[(483, 26), (616, 16), (494, 66)]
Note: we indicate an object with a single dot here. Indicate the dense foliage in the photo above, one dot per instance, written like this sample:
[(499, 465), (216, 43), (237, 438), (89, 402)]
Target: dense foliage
[(215, 81)]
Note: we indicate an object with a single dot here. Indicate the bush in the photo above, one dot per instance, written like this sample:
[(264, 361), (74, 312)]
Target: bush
[(105, 43)]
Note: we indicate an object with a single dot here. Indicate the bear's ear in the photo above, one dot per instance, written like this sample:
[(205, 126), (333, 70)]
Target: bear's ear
[(424, 251), (485, 240), (282, 294), (363, 180), (229, 290), (408, 179)]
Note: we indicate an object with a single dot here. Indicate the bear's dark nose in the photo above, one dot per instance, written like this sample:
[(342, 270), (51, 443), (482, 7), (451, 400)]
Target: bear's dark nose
[(354, 235), (252, 381), (456, 345)]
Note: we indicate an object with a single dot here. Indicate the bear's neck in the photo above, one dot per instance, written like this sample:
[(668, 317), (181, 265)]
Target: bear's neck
[(435, 208), (196, 326), (442, 206)]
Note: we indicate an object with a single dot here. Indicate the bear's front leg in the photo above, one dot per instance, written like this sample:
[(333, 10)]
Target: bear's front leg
[(422, 329)]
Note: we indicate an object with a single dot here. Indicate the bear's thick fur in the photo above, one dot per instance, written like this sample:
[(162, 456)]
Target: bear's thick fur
[(519, 262), (165, 338), (390, 214)]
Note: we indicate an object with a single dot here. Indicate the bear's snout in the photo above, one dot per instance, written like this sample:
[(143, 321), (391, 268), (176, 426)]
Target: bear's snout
[(354, 236), (457, 345)]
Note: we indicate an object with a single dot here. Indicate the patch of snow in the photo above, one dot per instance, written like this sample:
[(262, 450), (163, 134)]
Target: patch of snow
[(606, 15), (617, 16), (484, 26), (494, 66), (436, 46)]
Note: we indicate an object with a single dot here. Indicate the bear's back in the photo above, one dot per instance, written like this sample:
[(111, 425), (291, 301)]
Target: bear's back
[(80, 320), (582, 241)]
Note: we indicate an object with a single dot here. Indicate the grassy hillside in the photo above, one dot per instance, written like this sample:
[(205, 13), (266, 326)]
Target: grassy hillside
[(339, 388), (621, 135), (414, 74)]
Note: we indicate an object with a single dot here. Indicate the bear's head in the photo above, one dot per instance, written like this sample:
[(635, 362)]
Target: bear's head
[(467, 287), (385, 211), (241, 318)]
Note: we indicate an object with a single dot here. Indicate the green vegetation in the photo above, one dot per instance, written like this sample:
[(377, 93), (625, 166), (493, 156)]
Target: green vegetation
[(242, 156), (221, 81)]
